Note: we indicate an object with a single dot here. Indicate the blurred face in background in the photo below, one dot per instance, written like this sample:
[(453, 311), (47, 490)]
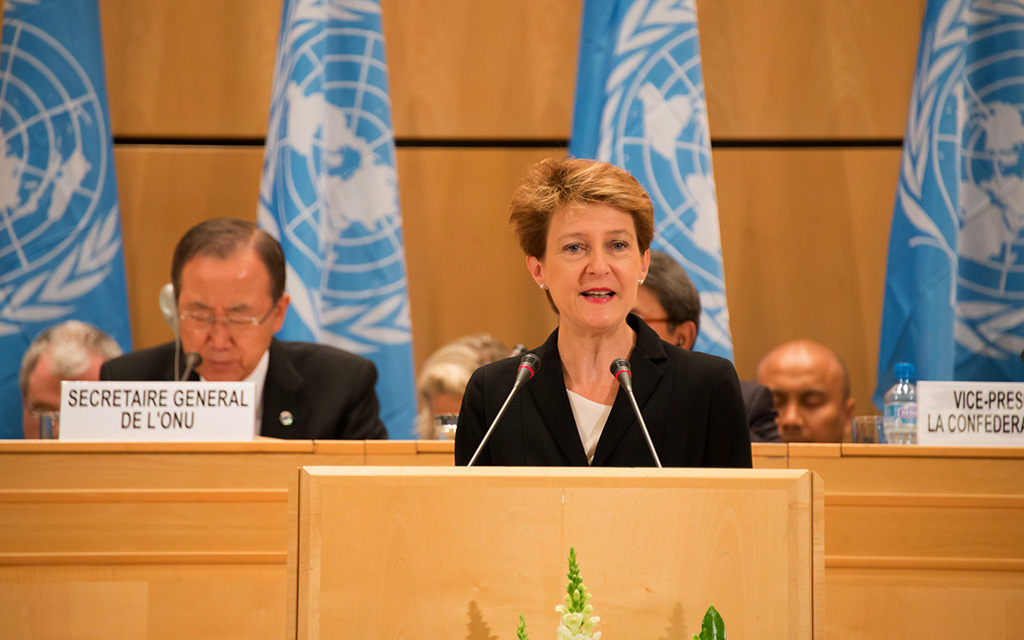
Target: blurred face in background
[(807, 382), (445, 403), (654, 315), (43, 391)]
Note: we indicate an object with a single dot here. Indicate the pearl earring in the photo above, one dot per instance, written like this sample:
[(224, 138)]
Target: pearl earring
[(543, 287)]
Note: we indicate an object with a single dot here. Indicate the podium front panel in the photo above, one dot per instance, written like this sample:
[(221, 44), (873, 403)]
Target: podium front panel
[(416, 552)]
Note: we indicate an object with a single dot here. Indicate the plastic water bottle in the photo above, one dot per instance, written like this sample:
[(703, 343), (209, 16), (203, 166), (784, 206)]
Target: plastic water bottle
[(900, 410)]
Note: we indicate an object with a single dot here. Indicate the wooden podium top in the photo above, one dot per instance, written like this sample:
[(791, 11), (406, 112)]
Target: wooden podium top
[(763, 452)]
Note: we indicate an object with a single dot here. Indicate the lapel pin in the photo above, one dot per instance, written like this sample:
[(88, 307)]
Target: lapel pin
[(286, 418)]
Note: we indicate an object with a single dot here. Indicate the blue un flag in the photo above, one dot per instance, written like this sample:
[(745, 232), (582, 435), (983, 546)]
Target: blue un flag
[(640, 105), (954, 294), (330, 193), (60, 235)]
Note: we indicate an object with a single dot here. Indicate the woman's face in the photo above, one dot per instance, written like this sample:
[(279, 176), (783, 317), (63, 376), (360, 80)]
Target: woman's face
[(591, 265)]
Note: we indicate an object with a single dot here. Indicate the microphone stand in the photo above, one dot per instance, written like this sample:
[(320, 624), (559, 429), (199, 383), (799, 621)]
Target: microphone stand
[(527, 367), (620, 369)]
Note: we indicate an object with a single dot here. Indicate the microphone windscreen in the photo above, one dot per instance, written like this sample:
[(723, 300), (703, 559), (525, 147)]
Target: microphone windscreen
[(530, 361), (620, 369), (192, 360), (527, 367), (169, 307), (619, 365)]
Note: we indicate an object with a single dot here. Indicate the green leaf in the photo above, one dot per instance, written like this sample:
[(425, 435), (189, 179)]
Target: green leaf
[(712, 627), (521, 630)]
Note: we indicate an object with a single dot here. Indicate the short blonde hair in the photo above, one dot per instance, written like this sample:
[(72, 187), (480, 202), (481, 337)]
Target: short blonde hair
[(448, 369), (553, 184)]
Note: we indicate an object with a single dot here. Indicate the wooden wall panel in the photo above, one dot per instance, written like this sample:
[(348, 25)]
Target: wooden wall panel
[(804, 239), (782, 69), (190, 67), (808, 68), (466, 271), (164, 191), (497, 69)]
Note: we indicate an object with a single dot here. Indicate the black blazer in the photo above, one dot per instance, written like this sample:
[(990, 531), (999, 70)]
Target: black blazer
[(690, 401), (325, 393), (761, 414)]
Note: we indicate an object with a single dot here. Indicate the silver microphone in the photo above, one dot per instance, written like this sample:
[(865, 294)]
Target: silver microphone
[(527, 367), (192, 360), (620, 369)]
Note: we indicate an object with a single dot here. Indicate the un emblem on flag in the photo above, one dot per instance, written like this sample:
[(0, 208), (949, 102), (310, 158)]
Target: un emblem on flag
[(962, 185), (660, 135), (330, 190), (991, 181), (60, 223), (654, 124)]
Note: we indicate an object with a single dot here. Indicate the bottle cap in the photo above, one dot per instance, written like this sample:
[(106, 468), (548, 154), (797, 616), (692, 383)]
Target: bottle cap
[(904, 371)]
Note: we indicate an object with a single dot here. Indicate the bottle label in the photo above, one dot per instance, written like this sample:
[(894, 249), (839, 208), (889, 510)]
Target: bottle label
[(907, 413), (900, 422)]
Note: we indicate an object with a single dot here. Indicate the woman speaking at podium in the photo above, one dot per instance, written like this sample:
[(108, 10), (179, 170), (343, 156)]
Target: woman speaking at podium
[(586, 229)]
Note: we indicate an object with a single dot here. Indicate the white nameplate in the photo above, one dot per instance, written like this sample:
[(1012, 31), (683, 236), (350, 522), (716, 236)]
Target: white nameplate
[(970, 413), (158, 411)]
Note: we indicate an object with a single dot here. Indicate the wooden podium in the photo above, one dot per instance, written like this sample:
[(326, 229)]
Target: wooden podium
[(386, 552)]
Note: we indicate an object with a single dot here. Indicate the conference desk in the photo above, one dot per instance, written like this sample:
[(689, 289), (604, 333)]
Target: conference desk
[(113, 540)]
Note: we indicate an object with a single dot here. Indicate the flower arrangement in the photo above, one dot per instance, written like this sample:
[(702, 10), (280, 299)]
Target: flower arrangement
[(578, 624)]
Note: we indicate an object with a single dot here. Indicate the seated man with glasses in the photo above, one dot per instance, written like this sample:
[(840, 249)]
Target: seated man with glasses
[(670, 304), (229, 285)]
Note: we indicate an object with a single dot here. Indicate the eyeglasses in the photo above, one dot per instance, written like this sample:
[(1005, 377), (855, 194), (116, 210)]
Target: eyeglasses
[(204, 321)]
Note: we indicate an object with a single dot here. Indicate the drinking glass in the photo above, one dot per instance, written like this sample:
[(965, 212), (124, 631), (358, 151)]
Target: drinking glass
[(867, 429), (445, 425)]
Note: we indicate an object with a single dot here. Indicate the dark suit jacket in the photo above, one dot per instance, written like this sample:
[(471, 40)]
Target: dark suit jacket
[(690, 401), (329, 392), (761, 413)]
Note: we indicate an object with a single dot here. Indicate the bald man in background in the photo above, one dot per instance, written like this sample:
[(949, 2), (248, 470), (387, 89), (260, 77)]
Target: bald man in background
[(811, 387)]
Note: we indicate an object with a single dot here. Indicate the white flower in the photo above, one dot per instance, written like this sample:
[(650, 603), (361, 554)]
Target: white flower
[(573, 620)]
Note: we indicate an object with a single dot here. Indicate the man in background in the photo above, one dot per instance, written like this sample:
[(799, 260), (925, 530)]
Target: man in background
[(670, 304), (811, 386), (71, 350), (229, 288)]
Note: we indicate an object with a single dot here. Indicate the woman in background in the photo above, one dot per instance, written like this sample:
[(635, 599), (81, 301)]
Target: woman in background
[(586, 228), (444, 376)]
